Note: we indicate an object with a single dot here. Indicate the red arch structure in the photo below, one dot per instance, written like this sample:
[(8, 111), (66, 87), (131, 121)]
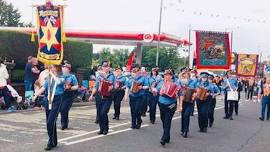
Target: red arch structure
[(138, 39)]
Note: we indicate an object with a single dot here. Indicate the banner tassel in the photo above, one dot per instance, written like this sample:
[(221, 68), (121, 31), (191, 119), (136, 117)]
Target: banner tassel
[(64, 37), (33, 37)]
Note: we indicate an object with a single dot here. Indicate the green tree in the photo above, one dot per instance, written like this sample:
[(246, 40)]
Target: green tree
[(9, 16), (168, 57), (121, 56)]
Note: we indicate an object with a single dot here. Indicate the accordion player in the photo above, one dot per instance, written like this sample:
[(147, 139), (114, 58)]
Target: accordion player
[(169, 89)]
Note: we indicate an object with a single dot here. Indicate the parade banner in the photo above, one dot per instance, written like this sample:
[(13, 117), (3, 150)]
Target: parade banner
[(247, 65), (50, 33), (213, 50)]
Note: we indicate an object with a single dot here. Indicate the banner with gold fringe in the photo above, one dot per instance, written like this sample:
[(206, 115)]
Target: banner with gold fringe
[(50, 34), (247, 65)]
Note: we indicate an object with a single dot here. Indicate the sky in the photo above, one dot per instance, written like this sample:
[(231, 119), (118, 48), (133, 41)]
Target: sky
[(248, 19)]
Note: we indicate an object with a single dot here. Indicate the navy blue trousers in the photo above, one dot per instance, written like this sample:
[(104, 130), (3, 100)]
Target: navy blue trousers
[(135, 104), (186, 113), (166, 115), (51, 118), (66, 105)]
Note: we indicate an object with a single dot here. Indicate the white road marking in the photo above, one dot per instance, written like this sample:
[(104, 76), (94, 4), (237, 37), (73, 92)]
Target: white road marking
[(101, 136), (91, 132), (111, 133)]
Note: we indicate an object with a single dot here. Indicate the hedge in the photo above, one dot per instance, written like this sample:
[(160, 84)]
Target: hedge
[(17, 46)]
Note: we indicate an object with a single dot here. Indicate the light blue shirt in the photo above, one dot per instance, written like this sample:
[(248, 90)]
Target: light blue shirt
[(110, 77), (163, 99), (59, 88), (142, 80)]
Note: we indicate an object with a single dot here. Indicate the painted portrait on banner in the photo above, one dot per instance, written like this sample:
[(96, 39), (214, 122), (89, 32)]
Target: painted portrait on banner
[(213, 50), (247, 65)]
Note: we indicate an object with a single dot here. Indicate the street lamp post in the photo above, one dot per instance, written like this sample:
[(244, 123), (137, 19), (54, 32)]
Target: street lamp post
[(159, 30)]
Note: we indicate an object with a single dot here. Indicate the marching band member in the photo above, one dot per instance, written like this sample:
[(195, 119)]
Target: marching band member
[(186, 101), (167, 104), (231, 84), (119, 93), (71, 86), (154, 79), (194, 78), (135, 88), (102, 91), (56, 87), (265, 92), (203, 99), (213, 100), (146, 96)]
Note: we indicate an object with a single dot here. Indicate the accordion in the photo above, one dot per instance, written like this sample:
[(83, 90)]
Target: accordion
[(103, 89), (202, 93), (135, 88), (118, 85), (169, 89), (188, 95)]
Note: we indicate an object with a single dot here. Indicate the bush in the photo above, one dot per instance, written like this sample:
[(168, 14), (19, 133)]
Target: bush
[(17, 46)]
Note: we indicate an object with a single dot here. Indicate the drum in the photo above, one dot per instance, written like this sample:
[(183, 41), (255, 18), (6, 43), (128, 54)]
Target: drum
[(188, 95), (169, 89), (104, 86), (135, 88), (202, 93)]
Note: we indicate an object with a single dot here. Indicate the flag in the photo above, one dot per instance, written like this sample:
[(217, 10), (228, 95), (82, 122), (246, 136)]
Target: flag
[(50, 34), (212, 50), (130, 61)]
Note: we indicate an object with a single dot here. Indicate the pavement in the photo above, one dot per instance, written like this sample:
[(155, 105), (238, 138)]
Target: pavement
[(26, 132)]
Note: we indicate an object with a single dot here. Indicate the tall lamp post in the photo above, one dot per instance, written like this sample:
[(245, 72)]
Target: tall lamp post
[(159, 30)]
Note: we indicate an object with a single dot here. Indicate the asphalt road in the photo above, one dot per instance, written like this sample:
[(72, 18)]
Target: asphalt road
[(26, 132)]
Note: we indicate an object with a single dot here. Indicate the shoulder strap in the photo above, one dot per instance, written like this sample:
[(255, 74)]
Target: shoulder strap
[(229, 85)]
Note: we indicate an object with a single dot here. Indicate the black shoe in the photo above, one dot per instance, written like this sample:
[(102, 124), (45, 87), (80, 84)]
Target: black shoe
[(144, 114), (231, 118), (185, 134), (105, 132), (96, 121), (117, 118), (167, 141), (225, 117), (267, 118), (192, 114), (133, 127), (48, 148), (262, 119), (201, 129), (152, 121), (211, 124), (138, 126), (114, 117), (236, 113), (63, 128), (100, 132), (162, 142)]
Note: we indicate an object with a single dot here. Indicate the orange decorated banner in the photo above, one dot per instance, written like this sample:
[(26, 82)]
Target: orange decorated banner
[(247, 65)]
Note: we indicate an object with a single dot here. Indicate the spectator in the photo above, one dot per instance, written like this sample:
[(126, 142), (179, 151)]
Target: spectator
[(4, 92), (30, 70)]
